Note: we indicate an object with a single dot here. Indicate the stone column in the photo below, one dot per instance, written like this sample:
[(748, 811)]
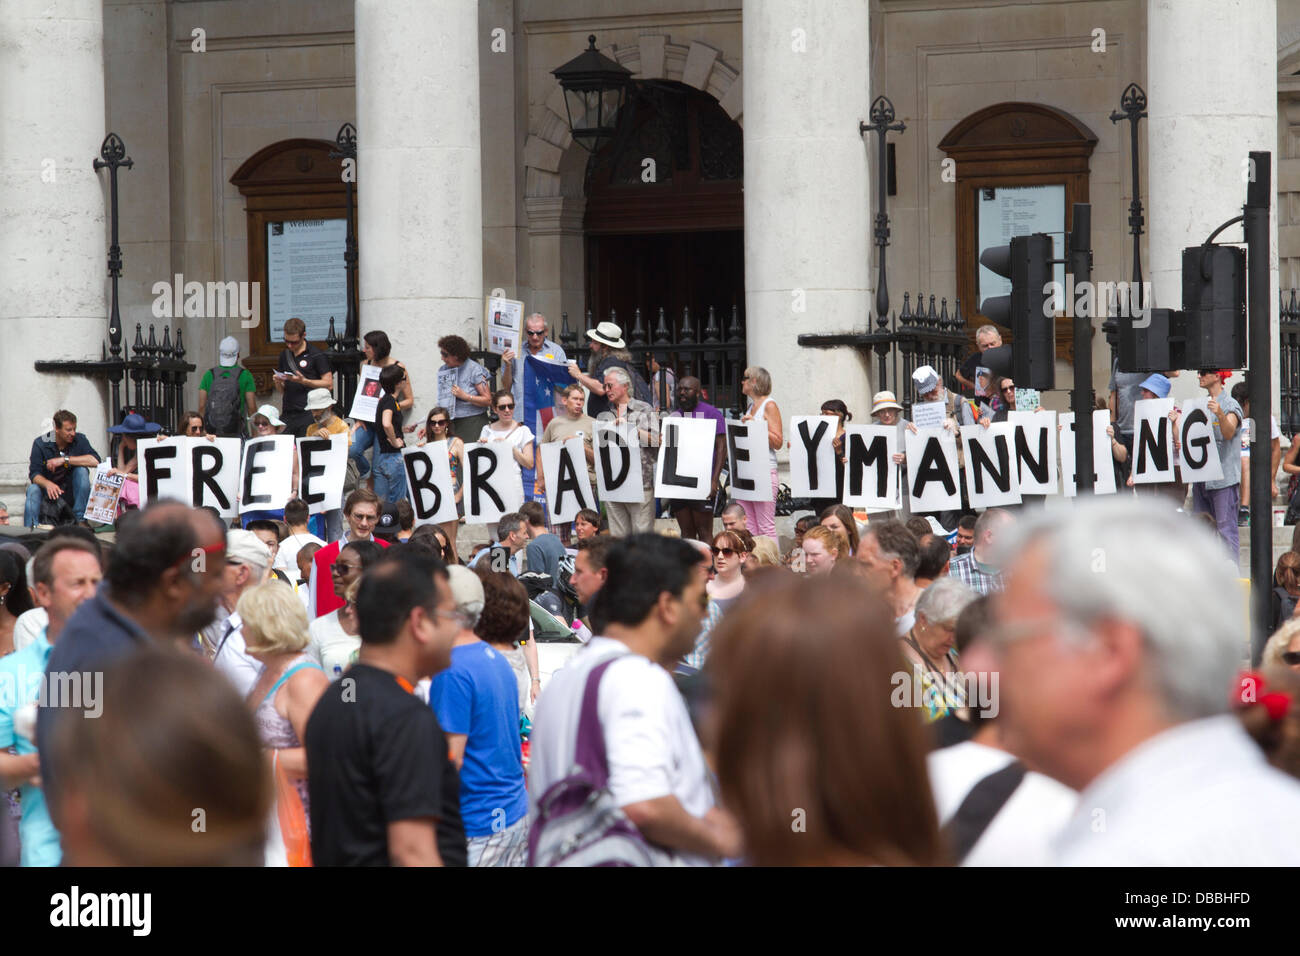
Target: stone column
[(1212, 87), (53, 244), (807, 196), (419, 179)]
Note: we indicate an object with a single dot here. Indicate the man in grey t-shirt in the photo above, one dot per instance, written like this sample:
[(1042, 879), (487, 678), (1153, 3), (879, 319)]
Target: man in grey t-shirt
[(1124, 391), (1222, 498)]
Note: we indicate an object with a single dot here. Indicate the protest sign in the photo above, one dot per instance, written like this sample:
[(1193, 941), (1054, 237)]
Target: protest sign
[(684, 469), (493, 484), (618, 463), (933, 479), (992, 478), (748, 461), (812, 456), (870, 475), (568, 483), (428, 483)]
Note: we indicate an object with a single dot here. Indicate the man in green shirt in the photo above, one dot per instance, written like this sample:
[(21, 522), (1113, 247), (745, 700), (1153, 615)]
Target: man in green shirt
[(227, 387)]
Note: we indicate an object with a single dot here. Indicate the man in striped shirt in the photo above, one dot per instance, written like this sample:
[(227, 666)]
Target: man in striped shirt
[(981, 568)]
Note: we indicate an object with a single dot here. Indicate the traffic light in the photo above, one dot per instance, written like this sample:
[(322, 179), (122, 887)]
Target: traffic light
[(1027, 311), (1214, 302), (1153, 342)]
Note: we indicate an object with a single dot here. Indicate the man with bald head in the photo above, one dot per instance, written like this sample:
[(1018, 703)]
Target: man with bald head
[(695, 518), (161, 586)]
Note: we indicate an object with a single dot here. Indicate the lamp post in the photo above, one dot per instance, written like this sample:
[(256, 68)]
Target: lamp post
[(112, 156), (1132, 107), (882, 121), (595, 89)]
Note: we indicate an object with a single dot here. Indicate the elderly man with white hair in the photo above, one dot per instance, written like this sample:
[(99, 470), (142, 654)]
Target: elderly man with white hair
[(1118, 637), (928, 647), (248, 560), (631, 518)]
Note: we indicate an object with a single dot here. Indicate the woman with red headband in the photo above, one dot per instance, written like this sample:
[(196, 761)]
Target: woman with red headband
[(1222, 498)]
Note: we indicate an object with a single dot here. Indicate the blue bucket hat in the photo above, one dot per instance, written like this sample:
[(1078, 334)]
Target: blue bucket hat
[(136, 426), (1157, 385)]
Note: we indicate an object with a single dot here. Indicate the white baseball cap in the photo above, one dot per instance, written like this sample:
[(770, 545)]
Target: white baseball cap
[(228, 351)]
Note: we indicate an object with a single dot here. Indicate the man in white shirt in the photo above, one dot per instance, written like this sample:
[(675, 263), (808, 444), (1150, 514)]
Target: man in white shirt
[(247, 562), (1117, 639), (296, 516), (651, 605)]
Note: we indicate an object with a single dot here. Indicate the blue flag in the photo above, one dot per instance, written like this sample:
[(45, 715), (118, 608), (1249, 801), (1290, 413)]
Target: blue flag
[(553, 374)]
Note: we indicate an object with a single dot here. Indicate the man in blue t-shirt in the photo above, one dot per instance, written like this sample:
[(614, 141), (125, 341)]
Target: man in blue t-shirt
[(477, 704), (695, 518), (65, 573)]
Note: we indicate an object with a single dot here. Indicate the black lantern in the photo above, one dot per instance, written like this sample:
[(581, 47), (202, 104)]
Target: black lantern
[(595, 88)]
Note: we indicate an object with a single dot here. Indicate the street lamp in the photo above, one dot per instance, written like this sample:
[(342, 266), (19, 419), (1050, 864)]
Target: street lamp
[(595, 88)]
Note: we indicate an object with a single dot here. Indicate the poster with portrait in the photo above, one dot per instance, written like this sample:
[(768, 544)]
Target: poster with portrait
[(365, 403), (505, 323)]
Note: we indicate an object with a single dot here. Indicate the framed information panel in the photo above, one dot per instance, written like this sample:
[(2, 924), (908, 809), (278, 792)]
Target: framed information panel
[(1020, 168), (296, 207), (305, 275)]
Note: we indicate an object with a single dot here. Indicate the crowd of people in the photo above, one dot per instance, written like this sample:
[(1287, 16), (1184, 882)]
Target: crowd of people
[(1018, 686)]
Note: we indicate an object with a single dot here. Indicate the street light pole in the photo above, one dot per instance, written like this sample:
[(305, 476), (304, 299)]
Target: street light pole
[(882, 121), (1132, 107)]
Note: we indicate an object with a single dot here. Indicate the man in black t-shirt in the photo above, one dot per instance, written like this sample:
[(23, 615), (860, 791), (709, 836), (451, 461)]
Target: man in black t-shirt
[(383, 791), (302, 368)]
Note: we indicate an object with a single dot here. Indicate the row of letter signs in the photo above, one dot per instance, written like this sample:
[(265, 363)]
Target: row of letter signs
[(1003, 462)]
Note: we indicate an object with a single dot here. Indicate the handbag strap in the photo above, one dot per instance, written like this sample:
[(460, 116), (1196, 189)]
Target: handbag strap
[(589, 751), (979, 808)]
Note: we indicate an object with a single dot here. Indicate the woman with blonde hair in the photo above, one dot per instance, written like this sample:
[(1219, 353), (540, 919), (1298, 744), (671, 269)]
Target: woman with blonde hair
[(765, 554), (822, 547), (757, 385), (790, 733), (275, 633), (1283, 647)]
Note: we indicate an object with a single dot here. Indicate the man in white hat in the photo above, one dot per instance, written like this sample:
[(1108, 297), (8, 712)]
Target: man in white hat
[(930, 389), (247, 562), (608, 350), (320, 402), (885, 410), (226, 393)]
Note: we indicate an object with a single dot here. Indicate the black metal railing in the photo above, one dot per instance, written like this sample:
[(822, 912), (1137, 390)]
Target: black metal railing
[(706, 350), (1289, 362), (154, 374), (904, 341)]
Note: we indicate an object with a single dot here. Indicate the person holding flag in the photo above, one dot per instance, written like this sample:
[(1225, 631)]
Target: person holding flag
[(531, 384)]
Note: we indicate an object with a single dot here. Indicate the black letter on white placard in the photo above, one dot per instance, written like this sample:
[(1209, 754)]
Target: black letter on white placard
[(1074, 444), (737, 455), (420, 484), (155, 455), (478, 480), (810, 443), (309, 447), (1154, 445), (982, 463), (863, 456), (1201, 445), (614, 440), (568, 481), (251, 451), (1037, 466), (206, 477), (933, 467), (671, 436)]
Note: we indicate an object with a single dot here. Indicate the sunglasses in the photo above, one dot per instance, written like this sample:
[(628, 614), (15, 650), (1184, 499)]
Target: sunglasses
[(506, 408), (724, 552), (537, 335), (1291, 657), (440, 423), (1009, 388), (342, 567)]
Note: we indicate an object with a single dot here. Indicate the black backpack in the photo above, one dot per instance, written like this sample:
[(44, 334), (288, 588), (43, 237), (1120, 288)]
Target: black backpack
[(221, 416)]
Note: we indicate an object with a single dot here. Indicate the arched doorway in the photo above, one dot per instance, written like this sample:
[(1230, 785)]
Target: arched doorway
[(664, 219)]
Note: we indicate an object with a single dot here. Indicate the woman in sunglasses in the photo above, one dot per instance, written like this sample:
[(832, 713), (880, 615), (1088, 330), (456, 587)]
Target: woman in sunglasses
[(334, 638), (1005, 399), (519, 438), (729, 583), (437, 427)]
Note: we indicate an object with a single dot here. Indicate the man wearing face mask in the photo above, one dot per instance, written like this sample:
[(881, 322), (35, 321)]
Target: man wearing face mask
[(695, 518)]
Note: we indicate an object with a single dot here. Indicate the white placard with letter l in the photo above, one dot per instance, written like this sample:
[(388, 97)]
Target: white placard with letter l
[(685, 466)]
